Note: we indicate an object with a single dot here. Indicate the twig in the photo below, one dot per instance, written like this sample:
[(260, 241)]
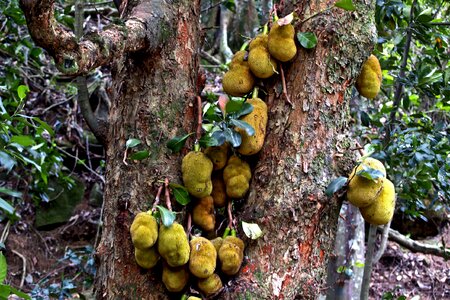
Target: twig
[(359, 148), (57, 104), (230, 214), (82, 163), (124, 160), (5, 232), (88, 154), (99, 225), (368, 262), (43, 240), (210, 58), (199, 118), (168, 203), (24, 267), (384, 238), (283, 80), (189, 225), (316, 14), (158, 194)]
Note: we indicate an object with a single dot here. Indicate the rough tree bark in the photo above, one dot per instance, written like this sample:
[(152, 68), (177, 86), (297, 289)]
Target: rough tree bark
[(155, 65)]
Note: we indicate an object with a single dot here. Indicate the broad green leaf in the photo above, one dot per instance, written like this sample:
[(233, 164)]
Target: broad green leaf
[(219, 136), (252, 230), (340, 269), (233, 137), (167, 216), (345, 4), (140, 155), (308, 40), (181, 194), (5, 291), (10, 192), (244, 125), (6, 161), (19, 293), (6, 206), (22, 91), (131, 143), (359, 264), (245, 110), (230, 5), (233, 106), (177, 143), (44, 125), (336, 185), (370, 173), (207, 141), (3, 267), (23, 140)]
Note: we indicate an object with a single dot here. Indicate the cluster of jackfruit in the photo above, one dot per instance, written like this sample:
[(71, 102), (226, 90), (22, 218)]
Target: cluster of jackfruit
[(375, 198), (261, 60), (236, 175), (369, 80)]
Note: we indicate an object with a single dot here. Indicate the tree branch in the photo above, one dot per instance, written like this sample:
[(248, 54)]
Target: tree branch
[(95, 49), (415, 246)]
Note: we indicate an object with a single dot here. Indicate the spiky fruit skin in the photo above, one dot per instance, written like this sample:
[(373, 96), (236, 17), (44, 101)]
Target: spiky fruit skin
[(218, 155), (237, 175), (382, 210), (173, 245), (202, 261), (281, 42), (194, 298), (258, 120), (218, 192), (211, 285), (175, 278), (231, 255), (239, 80), (260, 62), (196, 169), (144, 230), (369, 80), (146, 258), (217, 242), (361, 191), (203, 213)]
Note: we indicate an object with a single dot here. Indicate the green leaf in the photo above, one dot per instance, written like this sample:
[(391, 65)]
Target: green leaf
[(308, 40), (22, 91), (2, 246), (370, 173), (131, 143), (252, 230), (219, 136), (140, 155), (10, 192), (336, 185), (207, 141), (340, 269), (359, 264), (3, 267), (23, 140), (167, 216), (44, 125), (177, 143), (181, 194), (6, 206), (233, 106), (245, 110), (230, 5), (5, 291), (244, 125), (6, 161), (345, 4), (20, 294), (233, 137)]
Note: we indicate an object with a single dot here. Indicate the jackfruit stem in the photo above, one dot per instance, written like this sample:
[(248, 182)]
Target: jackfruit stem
[(244, 46), (168, 203), (199, 119), (230, 214), (233, 232), (226, 232), (265, 29), (255, 93), (189, 225), (196, 147), (158, 194), (184, 297)]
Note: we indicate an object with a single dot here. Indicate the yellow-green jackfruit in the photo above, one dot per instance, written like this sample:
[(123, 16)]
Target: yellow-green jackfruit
[(196, 169), (217, 242), (144, 230), (210, 285), (173, 245), (218, 192), (202, 261), (237, 175), (260, 62), (231, 255), (362, 192), (175, 278), (194, 298), (281, 42), (239, 80), (381, 211), (258, 120), (369, 80), (218, 155), (146, 258), (203, 213)]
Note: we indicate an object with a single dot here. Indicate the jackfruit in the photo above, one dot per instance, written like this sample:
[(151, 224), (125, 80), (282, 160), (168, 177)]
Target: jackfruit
[(146, 258), (217, 242), (258, 120), (381, 211), (211, 285), (196, 169), (173, 245), (144, 230), (194, 298), (369, 80), (218, 191), (202, 261), (281, 42), (231, 255), (203, 213), (218, 155), (175, 278), (260, 62), (362, 192), (237, 176), (239, 80)]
